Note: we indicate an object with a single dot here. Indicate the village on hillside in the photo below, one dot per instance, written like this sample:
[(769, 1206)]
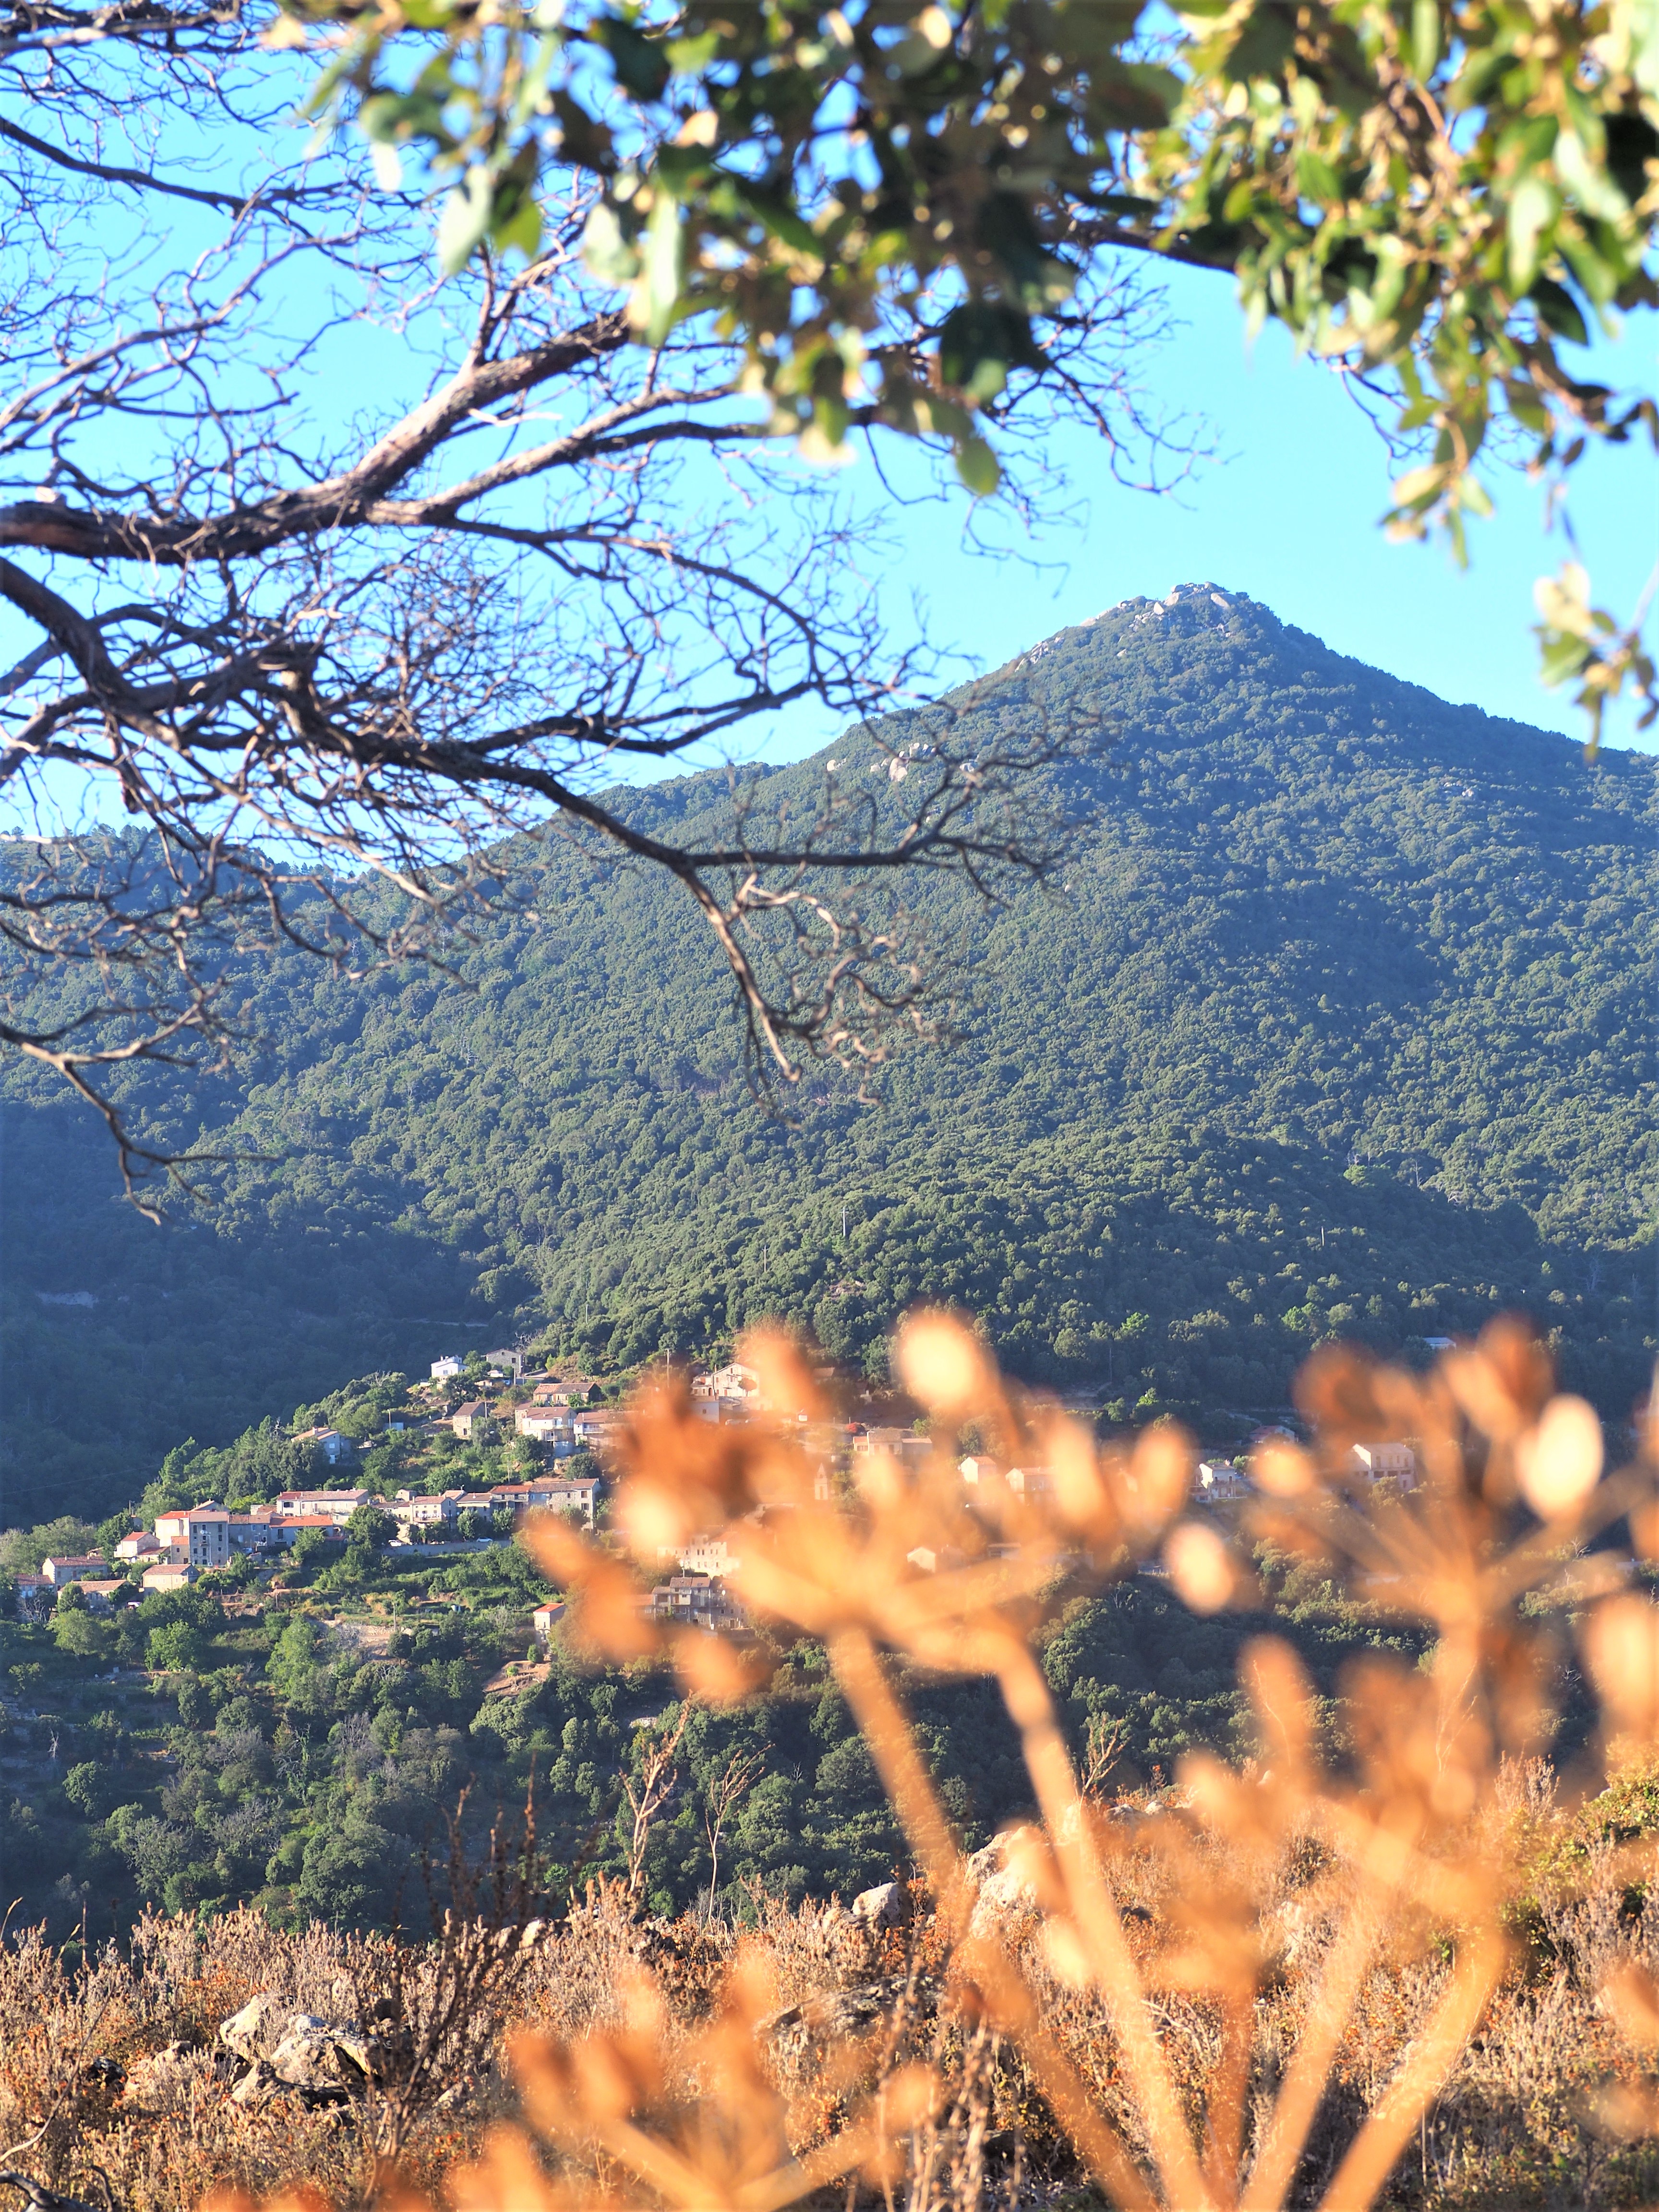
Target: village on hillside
[(564, 1435)]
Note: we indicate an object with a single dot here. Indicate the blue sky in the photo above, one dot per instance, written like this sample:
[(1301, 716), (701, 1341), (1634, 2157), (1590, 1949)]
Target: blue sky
[(1288, 511)]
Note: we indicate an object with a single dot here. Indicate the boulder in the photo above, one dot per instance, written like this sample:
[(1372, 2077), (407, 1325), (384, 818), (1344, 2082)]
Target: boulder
[(323, 2057), (259, 2086), (254, 2032), (889, 1905), (833, 2018), (1003, 1896), (291, 2053), (1004, 1893)]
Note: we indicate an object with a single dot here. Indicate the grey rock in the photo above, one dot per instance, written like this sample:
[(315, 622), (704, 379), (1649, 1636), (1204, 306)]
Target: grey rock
[(259, 2086), (254, 2032), (983, 1863), (322, 2056), (1003, 1896), (834, 2017), (889, 1905)]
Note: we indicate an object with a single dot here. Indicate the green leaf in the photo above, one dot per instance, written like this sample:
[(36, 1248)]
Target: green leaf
[(604, 249), (517, 222), (976, 466), (1586, 178), (464, 219), (1316, 179), (980, 341), (1558, 310), (1262, 45), (660, 272), (586, 144), (1638, 22), (1426, 37), (1005, 227), (1533, 206), (641, 64)]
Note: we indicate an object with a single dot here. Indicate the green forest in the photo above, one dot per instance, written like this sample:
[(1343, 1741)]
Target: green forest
[(1337, 1022)]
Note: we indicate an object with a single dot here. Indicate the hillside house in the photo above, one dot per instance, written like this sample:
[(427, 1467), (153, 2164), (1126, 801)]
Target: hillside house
[(170, 1575), (901, 1444), (252, 1532), (733, 1380), (418, 1511), (473, 1421), (721, 1410), (140, 1545), (934, 1560), (206, 1537), (593, 1429), (329, 1443), (58, 1573), (707, 1555), (558, 1496), (100, 1594), (703, 1601), (446, 1370), (332, 1504), (1029, 1481), (978, 1469), (1398, 1462), (288, 1529), (1218, 1482), (547, 1425), (545, 1619)]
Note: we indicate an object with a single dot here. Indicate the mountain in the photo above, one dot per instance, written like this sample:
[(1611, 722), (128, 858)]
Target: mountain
[(1339, 1022)]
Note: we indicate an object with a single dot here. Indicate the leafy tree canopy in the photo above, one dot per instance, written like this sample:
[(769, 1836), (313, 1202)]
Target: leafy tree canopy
[(894, 209)]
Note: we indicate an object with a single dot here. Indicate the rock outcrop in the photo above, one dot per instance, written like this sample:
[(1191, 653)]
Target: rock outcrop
[(289, 2053)]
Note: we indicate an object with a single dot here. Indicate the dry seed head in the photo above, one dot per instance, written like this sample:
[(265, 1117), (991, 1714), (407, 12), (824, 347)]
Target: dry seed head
[(910, 2097), (880, 1479), (1201, 1566), (1502, 1382), (606, 1600), (944, 1366), (1523, 1363), (1559, 1463), (1027, 1858), (1631, 1996), (1621, 1649), (1158, 1476), (1245, 1808), (1081, 1497), (1279, 1688), (1625, 2113), (1282, 1469), (1066, 1955), (651, 1518), (787, 1382), (710, 1668)]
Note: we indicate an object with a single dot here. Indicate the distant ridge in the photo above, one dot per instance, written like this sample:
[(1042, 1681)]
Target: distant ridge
[(1340, 1027)]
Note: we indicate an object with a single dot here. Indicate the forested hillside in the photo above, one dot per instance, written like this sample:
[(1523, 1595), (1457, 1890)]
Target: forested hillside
[(1340, 1020)]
